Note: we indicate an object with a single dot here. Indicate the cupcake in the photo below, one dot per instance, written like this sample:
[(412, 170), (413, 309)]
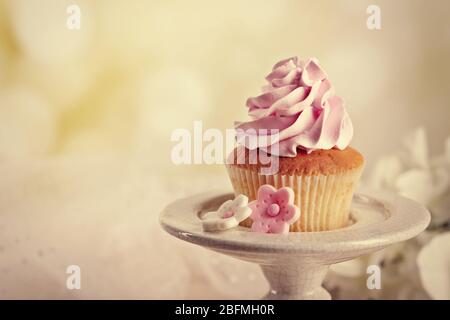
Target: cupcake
[(299, 137)]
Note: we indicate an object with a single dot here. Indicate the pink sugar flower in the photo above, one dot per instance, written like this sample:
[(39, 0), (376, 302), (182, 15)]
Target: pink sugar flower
[(273, 211)]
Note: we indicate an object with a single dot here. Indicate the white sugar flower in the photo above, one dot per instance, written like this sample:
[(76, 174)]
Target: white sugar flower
[(228, 216), (434, 266)]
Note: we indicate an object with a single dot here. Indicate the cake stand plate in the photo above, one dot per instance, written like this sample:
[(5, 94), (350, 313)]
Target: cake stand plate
[(295, 264)]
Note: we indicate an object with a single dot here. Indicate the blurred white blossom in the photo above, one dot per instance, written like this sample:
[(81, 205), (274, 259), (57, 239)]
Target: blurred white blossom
[(434, 266), (412, 173), (41, 31)]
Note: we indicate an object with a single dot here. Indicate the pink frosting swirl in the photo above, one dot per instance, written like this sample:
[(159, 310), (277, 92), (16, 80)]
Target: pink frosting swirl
[(300, 104)]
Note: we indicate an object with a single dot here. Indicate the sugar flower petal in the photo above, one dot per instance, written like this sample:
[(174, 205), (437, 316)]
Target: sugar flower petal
[(228, 215)]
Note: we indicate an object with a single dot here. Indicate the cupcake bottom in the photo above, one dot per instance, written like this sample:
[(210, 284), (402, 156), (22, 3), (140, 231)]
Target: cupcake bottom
[(324, 200)]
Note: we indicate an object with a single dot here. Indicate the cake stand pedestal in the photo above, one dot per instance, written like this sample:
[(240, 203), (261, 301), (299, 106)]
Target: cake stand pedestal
[(295, 264)]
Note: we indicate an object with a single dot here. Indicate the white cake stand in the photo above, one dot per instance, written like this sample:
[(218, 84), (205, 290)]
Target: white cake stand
[(296, 264)]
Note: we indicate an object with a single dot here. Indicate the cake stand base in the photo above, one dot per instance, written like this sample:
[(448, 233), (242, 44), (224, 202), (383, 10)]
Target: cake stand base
[(299, 282)]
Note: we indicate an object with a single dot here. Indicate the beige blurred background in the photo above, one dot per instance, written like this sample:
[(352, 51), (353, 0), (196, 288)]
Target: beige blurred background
[(136, 70), (86, 115)]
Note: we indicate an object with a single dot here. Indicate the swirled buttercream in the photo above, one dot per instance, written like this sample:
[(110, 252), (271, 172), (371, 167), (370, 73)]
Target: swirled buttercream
[(297, 109)]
